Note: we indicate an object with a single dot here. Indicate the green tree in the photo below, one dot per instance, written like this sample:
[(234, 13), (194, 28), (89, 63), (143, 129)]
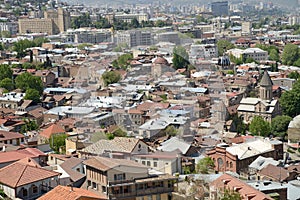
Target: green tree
[(160, 23), (102, 23), (21, 46), (297, 62), (110, 136), (39, 41), (171, 131), (201, 19), (5, 72), (237, 61), (279, 125), (7, 83), (2, 194), (294, 75), (123, 61), (223, 46), (274, 55), (290, 54), (180, 57), (5, 34), (32, 94), (119, 133), (259, 126), (57, 142), (231, 195), (27, 80), (204, 165), (250, 60), (110, 77), (241, 127), (290, 101), (83, 20), (29, 125), (134, 23)]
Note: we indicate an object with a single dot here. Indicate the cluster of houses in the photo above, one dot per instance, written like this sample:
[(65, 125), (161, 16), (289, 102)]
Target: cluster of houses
[(163, 122)]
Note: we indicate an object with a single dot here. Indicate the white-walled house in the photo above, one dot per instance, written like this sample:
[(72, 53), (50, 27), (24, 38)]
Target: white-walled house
[(25, 181)]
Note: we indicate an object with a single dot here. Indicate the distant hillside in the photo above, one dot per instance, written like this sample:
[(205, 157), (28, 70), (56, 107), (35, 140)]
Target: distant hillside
[(284, 3)]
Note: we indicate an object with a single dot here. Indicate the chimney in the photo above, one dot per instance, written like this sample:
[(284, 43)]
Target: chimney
[(71, 188)]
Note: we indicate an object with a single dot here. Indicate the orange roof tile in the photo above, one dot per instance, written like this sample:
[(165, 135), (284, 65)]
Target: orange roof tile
[(6, 135), (29, 161), (53, 129), (135, 111), (11, 156), (18, 174), (229, 182), (105, 164), (68, 193)]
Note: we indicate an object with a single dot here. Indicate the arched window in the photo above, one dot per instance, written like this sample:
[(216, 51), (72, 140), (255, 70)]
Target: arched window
[(230, 164), (24, 192), (34, 189)]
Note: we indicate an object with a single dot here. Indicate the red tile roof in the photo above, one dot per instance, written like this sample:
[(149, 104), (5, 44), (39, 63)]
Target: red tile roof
[(53, 129), (6, 135), (105, 164), (146, 106), (135, 111), (229, 182), (29, 161), (11, 156), (68, 193), (18, 174), (275, 172)]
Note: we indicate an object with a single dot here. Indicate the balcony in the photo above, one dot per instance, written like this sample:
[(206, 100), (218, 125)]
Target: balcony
[(141, 192)]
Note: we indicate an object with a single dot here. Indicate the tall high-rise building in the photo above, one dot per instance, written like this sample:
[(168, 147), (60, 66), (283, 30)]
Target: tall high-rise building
[(219, 8)]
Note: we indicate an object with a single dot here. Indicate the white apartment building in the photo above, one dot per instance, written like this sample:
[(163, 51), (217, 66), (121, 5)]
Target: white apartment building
[(87, 35), (135, 38), (129, 17), (203, 51), (255, 53)]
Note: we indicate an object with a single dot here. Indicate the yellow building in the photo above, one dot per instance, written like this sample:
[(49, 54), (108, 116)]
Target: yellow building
[(55, 21), (36, 26)]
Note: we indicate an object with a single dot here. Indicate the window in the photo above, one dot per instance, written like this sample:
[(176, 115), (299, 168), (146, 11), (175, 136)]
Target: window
[(144, 162), (89, 183), (103, 189), (154, 164), (25, 193), (94, 186), (34, 189), (119, 177), (148, 163), (158, 197)]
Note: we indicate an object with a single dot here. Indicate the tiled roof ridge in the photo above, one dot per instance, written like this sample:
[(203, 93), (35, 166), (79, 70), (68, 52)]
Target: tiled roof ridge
[(24, 169)]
